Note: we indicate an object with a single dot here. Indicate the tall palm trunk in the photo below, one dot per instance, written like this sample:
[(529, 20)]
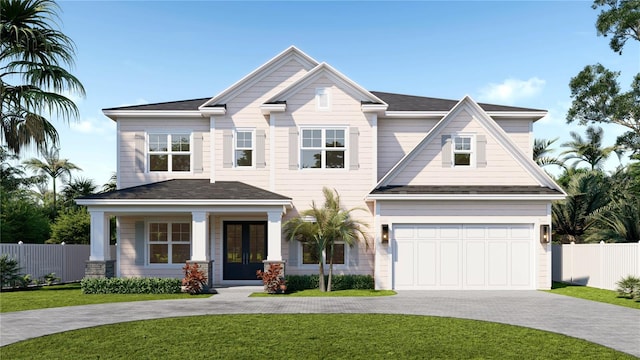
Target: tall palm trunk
[(330, 266), (321, 284)]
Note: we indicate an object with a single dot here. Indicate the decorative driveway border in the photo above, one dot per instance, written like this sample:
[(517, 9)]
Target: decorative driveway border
[(613, 326)]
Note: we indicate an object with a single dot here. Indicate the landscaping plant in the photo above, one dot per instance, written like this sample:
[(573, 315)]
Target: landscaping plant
[(9, 271), (194, 278), (629, 287), (273, 279)]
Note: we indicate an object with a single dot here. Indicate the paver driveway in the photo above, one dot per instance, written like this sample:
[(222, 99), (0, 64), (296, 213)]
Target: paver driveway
[(609, 325)]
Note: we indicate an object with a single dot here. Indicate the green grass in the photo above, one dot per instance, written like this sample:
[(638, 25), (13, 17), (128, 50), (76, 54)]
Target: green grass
[(318, 293), (70, 295), (308, 336), (593, 294)]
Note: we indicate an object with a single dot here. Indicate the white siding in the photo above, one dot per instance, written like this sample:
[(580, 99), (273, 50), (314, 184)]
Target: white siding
[(127, 170), (520, 132), (305, 185), (397, 137), (243, 111), (427, 169)]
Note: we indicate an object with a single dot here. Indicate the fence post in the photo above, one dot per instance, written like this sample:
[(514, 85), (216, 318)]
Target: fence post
[(638, 260), (63, 276), (571, 244), (601, 268)]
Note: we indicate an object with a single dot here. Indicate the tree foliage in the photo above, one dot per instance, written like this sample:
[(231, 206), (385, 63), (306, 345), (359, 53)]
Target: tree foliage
[(589, 150), (53, 167), (542, 153), (73, 226), (34, 57), (620, 19)]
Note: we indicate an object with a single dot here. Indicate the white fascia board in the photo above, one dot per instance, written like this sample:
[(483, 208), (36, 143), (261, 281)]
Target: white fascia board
[(269, 108), (374, 108), (114, 114), (379, 197), (176, 210), (535, 115), (213, 111), (161, 202)]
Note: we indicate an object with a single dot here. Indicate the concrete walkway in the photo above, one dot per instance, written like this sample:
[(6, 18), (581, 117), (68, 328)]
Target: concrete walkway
[(609, 325)]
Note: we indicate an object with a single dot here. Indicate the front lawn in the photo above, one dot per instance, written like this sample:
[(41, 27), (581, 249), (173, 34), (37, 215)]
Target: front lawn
[(593, 294), (308, 336), (336, 293), (70, 295)]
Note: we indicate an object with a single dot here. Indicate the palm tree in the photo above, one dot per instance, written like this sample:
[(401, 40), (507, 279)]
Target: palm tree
[(52, 166), (541, 149), (573, 216), (77, 188), (620, 221), (321, 227), (589, 150), (112, 185), (33, 56)]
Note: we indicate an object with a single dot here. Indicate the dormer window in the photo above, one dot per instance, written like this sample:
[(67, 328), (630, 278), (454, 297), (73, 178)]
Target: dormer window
[(322, 99), (462, 150)]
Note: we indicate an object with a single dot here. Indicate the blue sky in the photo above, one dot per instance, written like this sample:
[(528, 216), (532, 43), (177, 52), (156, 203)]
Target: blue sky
[(508, 52)]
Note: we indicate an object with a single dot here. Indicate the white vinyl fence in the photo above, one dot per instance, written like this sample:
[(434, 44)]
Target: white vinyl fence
[(38, 260), (596, 265)]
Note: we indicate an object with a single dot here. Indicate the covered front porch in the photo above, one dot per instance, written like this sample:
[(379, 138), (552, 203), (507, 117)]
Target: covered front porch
[(229, 228)]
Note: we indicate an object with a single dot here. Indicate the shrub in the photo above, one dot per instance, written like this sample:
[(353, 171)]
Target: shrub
[(50, 278), (72, 227), (273, 279), (9, 271), (130, 286), (629, 287), (194, 278), (339, 282)]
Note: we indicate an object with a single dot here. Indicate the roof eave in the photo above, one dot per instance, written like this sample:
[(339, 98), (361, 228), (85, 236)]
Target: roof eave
[(115, 114), (185, 202), (543, 197)]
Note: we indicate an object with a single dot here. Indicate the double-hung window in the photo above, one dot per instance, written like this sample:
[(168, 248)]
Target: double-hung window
[(170, 152), (244, 148), (310, 254), (169, 243), (462, 150), (323, 148)]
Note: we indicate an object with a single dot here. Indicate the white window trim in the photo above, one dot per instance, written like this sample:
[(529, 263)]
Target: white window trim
[(344, 266), (253, 148), (323, 91), (148, 243), (472, 150), (323, 148), (168, 152)]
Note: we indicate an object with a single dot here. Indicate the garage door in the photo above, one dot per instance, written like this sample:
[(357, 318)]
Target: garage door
[(473, 257)]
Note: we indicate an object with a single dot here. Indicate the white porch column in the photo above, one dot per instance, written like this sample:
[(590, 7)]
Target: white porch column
[(274, 236), (99, 236), (200, 236)]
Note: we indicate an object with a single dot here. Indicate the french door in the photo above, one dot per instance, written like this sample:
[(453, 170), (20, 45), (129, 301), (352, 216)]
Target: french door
[(245, 247)]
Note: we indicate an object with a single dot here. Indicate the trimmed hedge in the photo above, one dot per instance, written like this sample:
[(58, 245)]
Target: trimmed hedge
[(131, 286), (338, 282)]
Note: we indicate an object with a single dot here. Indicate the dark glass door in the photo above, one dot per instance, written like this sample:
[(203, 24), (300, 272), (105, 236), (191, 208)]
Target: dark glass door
[(245, 247)]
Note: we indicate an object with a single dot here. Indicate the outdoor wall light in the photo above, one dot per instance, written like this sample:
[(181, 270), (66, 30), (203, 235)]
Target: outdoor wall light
[(385, 233), (545, 234)]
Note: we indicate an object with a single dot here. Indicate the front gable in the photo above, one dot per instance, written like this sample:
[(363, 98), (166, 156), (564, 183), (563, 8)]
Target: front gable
[(494, 158)]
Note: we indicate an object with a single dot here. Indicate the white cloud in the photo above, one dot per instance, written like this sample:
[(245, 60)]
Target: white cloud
[(511, 90), (88, 126)]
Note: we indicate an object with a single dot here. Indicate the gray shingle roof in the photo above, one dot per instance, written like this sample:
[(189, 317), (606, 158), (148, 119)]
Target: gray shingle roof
[(397, 102), (401, 102), (462, 190), (190, 189)]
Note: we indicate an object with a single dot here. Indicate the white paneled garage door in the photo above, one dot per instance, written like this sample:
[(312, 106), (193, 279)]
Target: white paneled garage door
[(473, 256)]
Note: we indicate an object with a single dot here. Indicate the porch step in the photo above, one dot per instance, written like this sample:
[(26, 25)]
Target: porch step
[(236, 291)]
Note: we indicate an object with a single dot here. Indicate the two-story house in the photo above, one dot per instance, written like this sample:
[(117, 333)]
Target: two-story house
[(452, 197)]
